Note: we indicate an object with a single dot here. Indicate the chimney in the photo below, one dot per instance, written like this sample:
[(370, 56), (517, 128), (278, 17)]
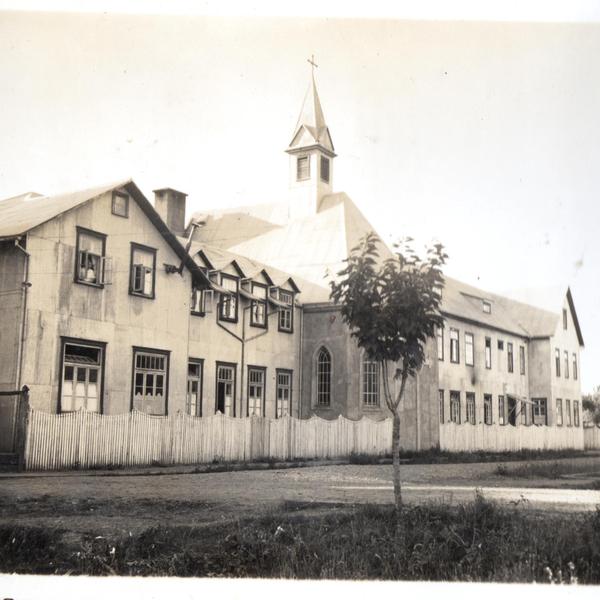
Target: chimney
[(170, 205)]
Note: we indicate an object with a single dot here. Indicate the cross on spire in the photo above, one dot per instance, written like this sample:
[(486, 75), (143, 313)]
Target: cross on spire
[(312, 62)]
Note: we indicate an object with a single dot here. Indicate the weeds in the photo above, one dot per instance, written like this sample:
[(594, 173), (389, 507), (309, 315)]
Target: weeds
[(553, 470)]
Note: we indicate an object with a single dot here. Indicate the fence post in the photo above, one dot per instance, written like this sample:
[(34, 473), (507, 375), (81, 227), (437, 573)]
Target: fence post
[(22, 424)]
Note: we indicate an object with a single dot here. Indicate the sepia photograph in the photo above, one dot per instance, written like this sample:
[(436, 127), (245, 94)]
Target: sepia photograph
[(295, 298)]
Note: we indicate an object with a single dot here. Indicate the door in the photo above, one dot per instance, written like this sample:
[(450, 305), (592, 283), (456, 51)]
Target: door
[(512, 411), (225, 389), (194, 389)]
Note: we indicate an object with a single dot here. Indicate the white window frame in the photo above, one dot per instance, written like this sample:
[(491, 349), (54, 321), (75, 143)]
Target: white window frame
[(193, 399), (283, 392), (303, 173), (323, 379), (86, 400), (454, 346), (142, 279), (228, 302), (455, 412), (469, 349), (488, 414), (471, 410), (371, 382), (149, 368), (256, 391), (91, 268)]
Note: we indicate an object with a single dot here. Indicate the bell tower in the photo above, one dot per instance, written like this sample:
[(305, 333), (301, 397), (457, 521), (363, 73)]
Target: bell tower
[(311, 156)]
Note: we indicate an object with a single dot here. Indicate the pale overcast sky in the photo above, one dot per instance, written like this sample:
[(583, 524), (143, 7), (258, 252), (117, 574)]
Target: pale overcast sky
[(484, 136)]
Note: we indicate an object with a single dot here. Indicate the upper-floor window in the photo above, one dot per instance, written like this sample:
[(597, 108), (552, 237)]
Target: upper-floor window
[(469, 354), (575, 374), (325, 169), (522, 360), (228, 303), (286, 314), (470, 404), (120, 204), (566, 364), (565, 319), (487, 409), (557, 361), (91, 264), (143, 271), (302, 167), (487, 307), (509, 356), (258, 310), (440, 342), (150, 376), (454, 347), (500, 344), (201, 302), (488, 353), (370, 382), (324, 377)]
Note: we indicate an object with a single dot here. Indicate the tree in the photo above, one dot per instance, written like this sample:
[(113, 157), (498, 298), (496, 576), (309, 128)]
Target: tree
[(591, 407), (392, 308)]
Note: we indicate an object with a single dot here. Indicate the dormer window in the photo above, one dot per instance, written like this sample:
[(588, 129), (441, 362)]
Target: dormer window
[(324, 169), (303, 168), (229, 302), (487, 307)]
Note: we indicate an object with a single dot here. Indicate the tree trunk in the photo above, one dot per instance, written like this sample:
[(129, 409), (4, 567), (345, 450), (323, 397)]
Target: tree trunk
[(396, 466)]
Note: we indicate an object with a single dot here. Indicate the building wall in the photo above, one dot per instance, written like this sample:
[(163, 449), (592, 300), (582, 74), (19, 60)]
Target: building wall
[(12, 274), (58, 306)]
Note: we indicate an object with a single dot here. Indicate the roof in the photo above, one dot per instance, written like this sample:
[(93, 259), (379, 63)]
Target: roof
[(20, 214), (311, 128)]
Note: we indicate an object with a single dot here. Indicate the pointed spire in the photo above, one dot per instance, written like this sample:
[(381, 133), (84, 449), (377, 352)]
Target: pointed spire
[(311, 128)]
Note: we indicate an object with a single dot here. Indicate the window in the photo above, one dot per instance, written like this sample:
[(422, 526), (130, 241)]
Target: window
[(568, 412), (225, 393), (454, 349), (324, 377), (566, 354), (120, 204), (258, 310), (440, 343), (325, 169), (150, 372), (143, 269), (469, 355), (303, 168), (500, 344), (201, 302), (574, 366), (487, 409), (91, 265), (539, 412), (283, 393), (441, 396), (559, 412), (525, 411), (487, 307), (455, 407), (256, 391), (522, 360), (286, 315), (193, 401), (370, 382), (565, 320), (488, 353), (470, 402), (509, 356), (576, 413), (82, 376), (557, 361), (228, 303), (501, 411)]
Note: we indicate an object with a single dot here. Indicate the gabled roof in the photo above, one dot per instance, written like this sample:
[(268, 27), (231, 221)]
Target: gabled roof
[(311, 128), (20, 214)]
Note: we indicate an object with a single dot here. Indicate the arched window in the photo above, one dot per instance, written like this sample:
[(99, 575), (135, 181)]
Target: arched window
[(370, 381), (324, 377)]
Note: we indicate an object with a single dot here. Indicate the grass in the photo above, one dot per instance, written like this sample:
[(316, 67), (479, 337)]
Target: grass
[(479, 541), (551, 470)]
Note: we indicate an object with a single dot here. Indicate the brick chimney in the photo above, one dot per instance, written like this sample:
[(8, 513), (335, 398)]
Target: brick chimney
[(170, 205)]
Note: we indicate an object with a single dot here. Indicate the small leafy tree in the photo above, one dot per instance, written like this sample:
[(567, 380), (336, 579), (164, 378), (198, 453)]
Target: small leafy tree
[(591, 406), (391, 309)]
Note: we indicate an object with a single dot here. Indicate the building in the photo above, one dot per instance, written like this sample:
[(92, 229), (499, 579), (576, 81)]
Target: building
[(113, 304)]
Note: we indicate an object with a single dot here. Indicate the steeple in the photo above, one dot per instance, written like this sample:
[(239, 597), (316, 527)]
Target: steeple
[(311, 154)]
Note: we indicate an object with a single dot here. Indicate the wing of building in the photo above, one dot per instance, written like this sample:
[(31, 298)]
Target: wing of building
[(111, 304)]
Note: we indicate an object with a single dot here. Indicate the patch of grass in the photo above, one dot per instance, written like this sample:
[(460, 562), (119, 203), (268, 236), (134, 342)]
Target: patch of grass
[(434, 456), (474, 542), (550, 470)]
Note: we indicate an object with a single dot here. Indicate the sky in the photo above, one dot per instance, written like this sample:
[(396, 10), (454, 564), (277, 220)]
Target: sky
[(484, 136)]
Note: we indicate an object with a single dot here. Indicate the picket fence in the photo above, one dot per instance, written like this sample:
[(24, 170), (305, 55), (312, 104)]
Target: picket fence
[(591, 436), (85, 439), (506, 438)]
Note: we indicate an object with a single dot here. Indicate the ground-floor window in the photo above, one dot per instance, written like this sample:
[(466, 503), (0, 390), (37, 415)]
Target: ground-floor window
[(568, 412), (441, 395), (470, 401), (576, 413), (81, 376), (455, 407), (256, 391), (193, 401), (539, 411), (559, 412), (225, 403), (487, 409), (525, 411), (501, 411), (324, 377), (283, 393), (150, 373), (370, 382)]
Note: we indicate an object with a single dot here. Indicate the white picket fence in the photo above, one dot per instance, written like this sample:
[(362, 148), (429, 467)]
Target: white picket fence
[(86, 439), (591, 436), (466, 437)]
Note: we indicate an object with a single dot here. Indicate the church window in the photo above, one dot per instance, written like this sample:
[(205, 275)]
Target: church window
[(370, 382), (303, 168), (324, 377), (91, 266), (325, 169)]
